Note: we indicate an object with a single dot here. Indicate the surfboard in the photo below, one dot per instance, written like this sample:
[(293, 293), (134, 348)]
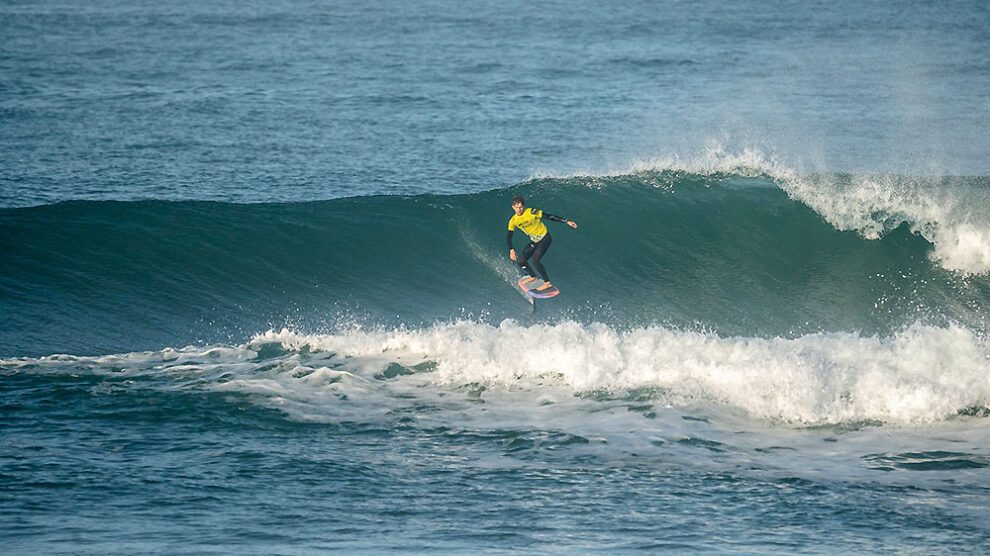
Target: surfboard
[(530, 289)]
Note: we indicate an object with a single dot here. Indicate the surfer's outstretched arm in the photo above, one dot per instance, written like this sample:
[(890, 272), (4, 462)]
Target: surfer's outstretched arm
[(555, 218)]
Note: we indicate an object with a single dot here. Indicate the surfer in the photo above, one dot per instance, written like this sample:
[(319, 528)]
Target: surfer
[(530, 222)]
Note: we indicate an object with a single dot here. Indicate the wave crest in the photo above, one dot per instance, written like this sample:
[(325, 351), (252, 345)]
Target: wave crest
[(953, 213)]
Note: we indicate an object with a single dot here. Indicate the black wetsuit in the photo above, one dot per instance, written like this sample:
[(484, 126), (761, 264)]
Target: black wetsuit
[(535, 250)]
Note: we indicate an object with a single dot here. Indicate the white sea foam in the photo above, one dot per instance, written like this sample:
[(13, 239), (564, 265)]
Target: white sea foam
[(923, 374)]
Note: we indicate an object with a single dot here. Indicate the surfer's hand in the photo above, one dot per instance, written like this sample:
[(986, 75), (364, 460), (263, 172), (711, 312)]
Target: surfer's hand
[(572, 224), (512, 254)]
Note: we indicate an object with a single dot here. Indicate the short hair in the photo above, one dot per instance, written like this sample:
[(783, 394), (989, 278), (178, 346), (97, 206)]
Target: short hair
[(519, 199)]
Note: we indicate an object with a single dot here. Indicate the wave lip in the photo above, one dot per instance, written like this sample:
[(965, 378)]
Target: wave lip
[(952, 212)]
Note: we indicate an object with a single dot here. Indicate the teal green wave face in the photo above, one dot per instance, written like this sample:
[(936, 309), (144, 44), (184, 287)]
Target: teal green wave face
[(729, 253)]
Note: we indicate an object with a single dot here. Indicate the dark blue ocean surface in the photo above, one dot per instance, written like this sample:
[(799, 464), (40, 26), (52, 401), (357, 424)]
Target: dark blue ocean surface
[(254, 295), (302, 100)]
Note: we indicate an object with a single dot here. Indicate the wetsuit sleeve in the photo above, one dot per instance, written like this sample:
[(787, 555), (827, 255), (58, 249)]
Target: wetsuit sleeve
[(508, 239), (553, 218)]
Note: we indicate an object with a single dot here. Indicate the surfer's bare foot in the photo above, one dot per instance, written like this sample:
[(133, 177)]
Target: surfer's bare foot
[(545, 286), (528, 279)]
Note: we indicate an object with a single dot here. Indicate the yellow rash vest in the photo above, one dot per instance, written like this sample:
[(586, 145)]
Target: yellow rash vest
[(530, 222)]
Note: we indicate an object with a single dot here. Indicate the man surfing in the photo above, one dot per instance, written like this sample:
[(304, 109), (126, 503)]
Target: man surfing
[(530, 221)]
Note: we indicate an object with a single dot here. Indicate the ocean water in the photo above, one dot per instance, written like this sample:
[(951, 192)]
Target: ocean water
[(254, 295)]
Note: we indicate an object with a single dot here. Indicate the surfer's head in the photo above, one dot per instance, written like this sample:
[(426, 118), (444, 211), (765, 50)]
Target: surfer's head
[(518, 204)]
